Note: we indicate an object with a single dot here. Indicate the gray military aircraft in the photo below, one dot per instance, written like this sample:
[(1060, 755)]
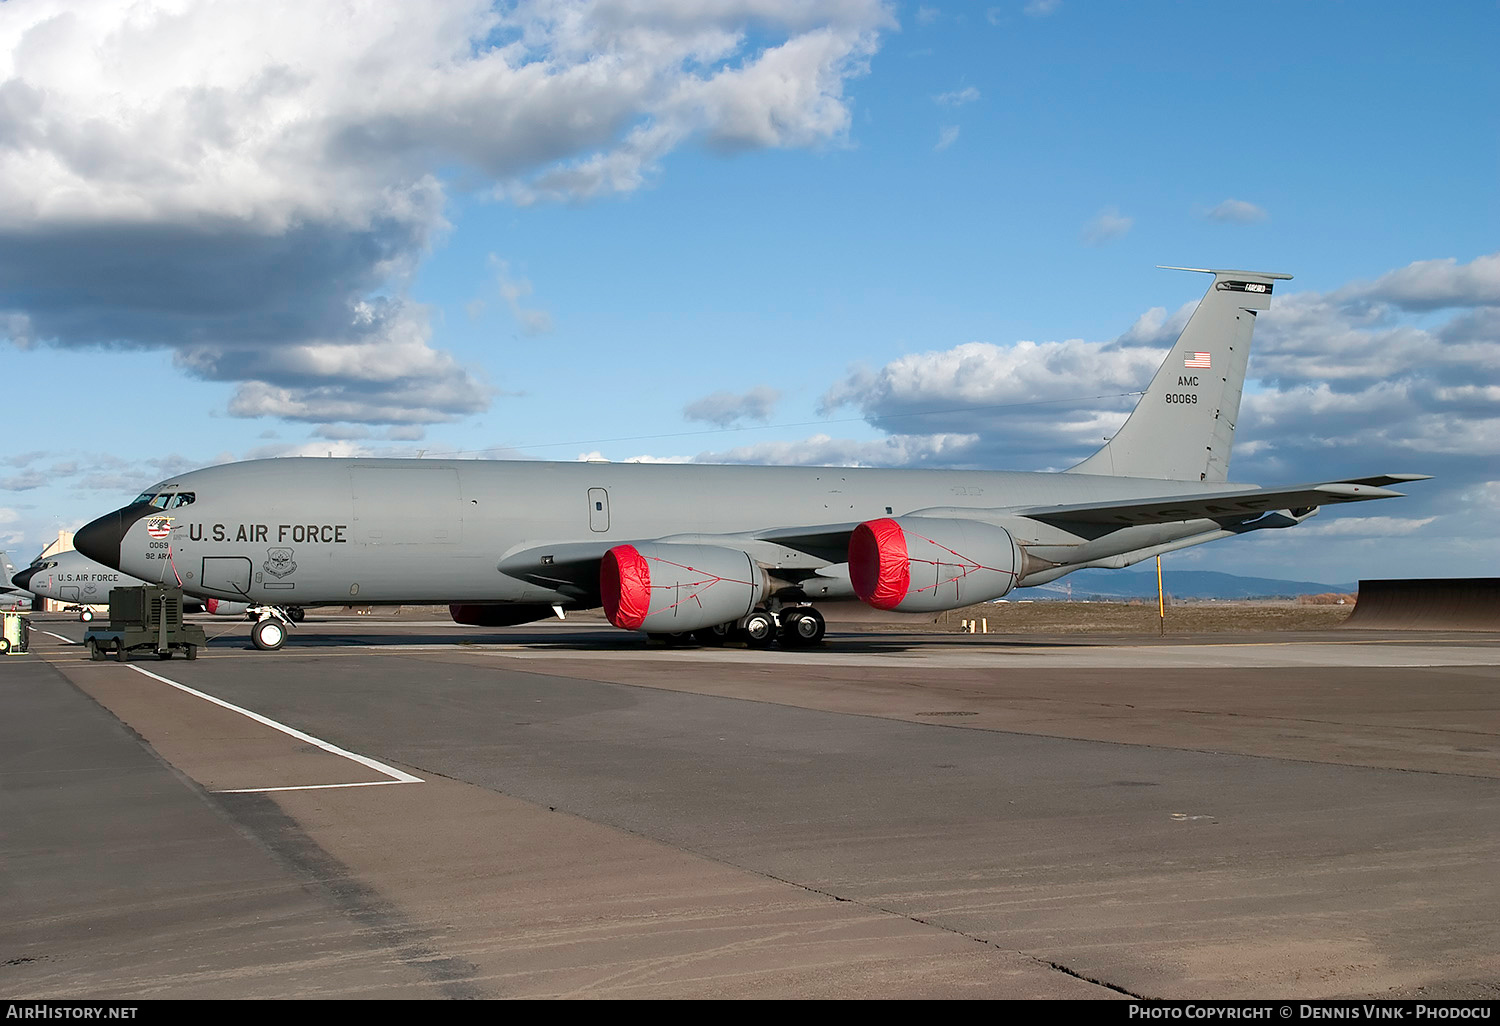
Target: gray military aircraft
[(10, 594), (721, 551), (83, 586)]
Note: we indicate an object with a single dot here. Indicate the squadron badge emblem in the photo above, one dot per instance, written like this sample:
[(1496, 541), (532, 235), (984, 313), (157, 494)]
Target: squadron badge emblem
[(279, 562)]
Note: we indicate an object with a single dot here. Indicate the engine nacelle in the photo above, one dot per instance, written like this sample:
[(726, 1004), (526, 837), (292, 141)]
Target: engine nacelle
[(667, 588), (218, 607), (475, 615), (929, 564)]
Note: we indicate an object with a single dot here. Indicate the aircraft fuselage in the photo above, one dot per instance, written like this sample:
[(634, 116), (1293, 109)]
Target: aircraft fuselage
[(307, 530)]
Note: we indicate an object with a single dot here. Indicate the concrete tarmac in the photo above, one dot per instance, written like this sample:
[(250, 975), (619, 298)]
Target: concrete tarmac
[(890, 815)]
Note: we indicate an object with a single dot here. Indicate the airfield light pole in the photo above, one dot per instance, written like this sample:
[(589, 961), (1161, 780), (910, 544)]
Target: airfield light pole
[(1161, 600)]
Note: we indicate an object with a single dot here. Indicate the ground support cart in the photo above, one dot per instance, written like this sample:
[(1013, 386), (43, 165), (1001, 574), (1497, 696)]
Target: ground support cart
[(147, 619)]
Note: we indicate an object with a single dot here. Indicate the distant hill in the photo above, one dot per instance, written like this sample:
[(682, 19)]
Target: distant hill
[(1183, 584)]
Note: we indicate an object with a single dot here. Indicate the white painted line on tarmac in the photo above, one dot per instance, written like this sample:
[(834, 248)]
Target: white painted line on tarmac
[(397, 776), (309, 787), (59, 637)]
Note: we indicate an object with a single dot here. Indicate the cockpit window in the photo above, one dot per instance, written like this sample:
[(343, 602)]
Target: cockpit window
[(165, 500)]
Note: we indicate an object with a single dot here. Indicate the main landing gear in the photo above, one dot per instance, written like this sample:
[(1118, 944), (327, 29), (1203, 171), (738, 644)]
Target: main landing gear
[(793, 626), (801, 626)]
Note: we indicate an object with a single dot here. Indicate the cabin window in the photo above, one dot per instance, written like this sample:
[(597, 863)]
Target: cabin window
[(184, 499)]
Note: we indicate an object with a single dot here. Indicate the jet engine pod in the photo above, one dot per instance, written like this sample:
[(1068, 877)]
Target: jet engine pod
[(667, 588), (929, 564), (218, 607)]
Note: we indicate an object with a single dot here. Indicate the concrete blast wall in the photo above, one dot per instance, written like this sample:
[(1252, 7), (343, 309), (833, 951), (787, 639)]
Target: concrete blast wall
[(1433, 604)]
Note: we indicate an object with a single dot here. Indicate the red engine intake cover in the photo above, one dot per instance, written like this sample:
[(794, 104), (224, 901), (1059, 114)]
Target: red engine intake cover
[(625, 587), (878, 564)]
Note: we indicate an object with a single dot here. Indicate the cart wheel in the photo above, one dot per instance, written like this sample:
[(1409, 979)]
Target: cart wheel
[(192, 652), (4, 645), (121, 655), (268, 635), (94, 654), (164, 655)]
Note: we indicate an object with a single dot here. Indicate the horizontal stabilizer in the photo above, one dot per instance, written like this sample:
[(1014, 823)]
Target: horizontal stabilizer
[(1230, 506), (1381, 480), (1226, 272)]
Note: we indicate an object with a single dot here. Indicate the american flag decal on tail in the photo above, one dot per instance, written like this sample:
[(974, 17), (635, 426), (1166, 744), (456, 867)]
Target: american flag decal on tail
[(1198, 361)]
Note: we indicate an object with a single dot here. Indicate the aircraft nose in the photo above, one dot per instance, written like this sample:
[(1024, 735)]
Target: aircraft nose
[(22, 580), (100, 539)]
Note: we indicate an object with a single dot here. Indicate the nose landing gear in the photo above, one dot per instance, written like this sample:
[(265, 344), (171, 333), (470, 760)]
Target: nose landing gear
[(269, 632)]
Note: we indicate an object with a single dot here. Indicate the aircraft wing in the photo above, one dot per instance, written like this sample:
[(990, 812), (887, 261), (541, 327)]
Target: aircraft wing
[(1230, 505), (573, 567), (831, 541), (828, 543)]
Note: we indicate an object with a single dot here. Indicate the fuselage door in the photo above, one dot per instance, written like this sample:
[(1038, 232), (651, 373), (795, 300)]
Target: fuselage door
[(598, 509), (229, 574)]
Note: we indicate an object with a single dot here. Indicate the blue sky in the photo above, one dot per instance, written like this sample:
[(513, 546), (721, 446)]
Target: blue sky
[(749, 231)]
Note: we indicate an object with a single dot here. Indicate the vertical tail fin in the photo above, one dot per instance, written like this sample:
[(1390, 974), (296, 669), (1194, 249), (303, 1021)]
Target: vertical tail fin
[(7, 570), (1183, 427)]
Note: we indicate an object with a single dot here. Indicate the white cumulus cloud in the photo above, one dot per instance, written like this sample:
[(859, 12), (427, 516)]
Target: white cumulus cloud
[(958, 97), (1363, 372), (1235, 211), (727, 408), (1107, 226), (245, 183)]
